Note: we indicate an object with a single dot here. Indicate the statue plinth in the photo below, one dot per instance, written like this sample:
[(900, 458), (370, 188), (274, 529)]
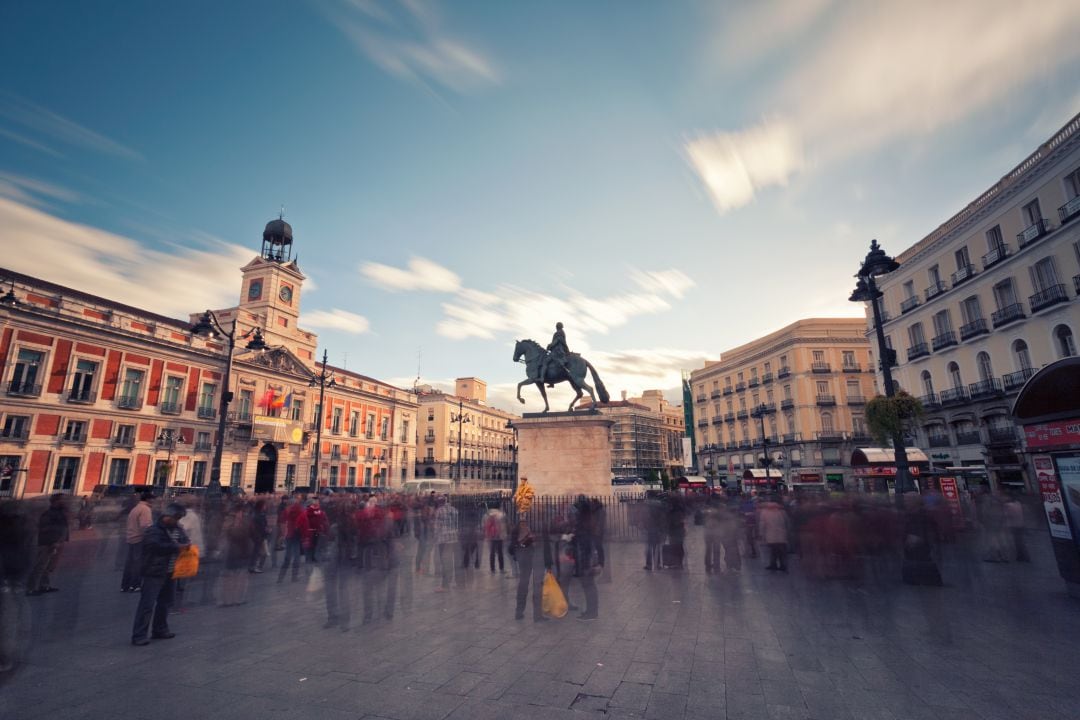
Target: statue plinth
[(565, 453)]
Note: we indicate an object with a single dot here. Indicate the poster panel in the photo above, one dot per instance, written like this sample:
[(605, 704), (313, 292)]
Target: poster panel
[(951, 493), (1068, 469)]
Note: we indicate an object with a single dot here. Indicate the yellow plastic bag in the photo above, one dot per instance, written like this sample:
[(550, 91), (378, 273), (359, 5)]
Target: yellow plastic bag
[(187, 563), (553, 601)]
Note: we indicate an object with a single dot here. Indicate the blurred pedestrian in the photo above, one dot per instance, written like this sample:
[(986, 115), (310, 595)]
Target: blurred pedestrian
[(523, 548), (446, 540), (495, 534), (1014, 521), (469, 535), (53, 532), (161, 544), (238, 552), (773, 528), (588, 553), (992, 519), (138, 520), (338, 568), (317, 526), (260, 534), (191, 524), (16, 556), (654, 529), (295, 535)]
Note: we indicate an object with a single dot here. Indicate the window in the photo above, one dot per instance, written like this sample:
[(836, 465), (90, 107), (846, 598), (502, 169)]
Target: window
[(1020, 352), (994, 241), (367, 476), (161, 472), (431, 414), (753, 373), (354, 423), (927, 382), (755, 400), (954, 376), (909, 289), (963, 259), (118, 471), (369, 427), (131, 389), (67, 472), (915, 334), (768, 367), (236, 474), (1063, 340), (243, 406), (206, 398), (822, 387), (405, 432), (789, 422), (335, 422), (24, 379), (202, 441), (933, 274), (826, 423), (384, 430), (125, 435), (297, 410), (1044, 274), (333, 475), (970, 309), (1004, 294), (986, 369), (1072, 184), (351, 481), (174, 386), (853, 388), (819, 356), (74, 431), (739, 377), (858, 425), (82, 383), (787, 392), (1032, 212), (942, 323), (290, 476), (198, 473), (783, 361), (9, 469), (849, 358)]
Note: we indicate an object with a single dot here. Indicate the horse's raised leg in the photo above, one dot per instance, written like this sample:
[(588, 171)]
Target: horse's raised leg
[(543, 394), (523, 382)]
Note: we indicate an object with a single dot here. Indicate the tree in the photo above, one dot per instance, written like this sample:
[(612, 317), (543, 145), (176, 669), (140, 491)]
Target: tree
[(888, 418)]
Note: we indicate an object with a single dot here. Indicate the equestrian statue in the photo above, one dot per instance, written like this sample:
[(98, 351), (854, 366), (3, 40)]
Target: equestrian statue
[(556, 364)]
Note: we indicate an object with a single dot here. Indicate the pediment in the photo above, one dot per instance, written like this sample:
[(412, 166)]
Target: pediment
[(278, 359)]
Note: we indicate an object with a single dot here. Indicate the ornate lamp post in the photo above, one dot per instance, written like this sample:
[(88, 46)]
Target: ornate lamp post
[(760, 412), (209, 327), (8, 299), (322, 381), (876, 264), (460, 418), (168, 438)]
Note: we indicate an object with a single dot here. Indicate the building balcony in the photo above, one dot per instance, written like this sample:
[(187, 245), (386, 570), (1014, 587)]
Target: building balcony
[(766, 378), (74, 438), (240, 416), (973, 328), (787, 404), (754, 382), (128, 402), (745, 445), (81, 397), (995, 256), (740, 386), (860, 437), (917, 351), (1069, 210), (990, 388), (852, 367), (23, 389), (769, 407), (1002, 435), (954, 396), (729, 417), (728, 390), (170, 408), (429, 438), (732, 445), (930, 401), (742, 414), (820, 367), (206, 413), (124, 442), (335, 454), (944, 340), (701, 398), (968, 437), (788, 438), (1007, 314), (1050, 296), (783, 373), (826, 400), (1032, 233), (910, 304), (934, 290), (703, 422), (856, 400), (717, 420), (963, 274), (1015, 380), (715, 394), (205, 446), (15, 434), (938, 441), (830, 436)]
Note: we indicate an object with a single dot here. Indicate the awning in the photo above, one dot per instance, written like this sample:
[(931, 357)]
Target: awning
[(759, 474), (885, 456)]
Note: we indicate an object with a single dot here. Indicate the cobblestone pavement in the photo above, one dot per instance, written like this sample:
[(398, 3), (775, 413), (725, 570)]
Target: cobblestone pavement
[(998, 642)]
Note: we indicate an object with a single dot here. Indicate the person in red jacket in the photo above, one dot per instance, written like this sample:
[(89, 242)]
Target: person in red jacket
[(317, 527), (296, 531)]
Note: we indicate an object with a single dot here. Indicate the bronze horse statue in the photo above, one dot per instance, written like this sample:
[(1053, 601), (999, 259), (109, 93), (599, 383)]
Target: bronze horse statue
[(572, 371)]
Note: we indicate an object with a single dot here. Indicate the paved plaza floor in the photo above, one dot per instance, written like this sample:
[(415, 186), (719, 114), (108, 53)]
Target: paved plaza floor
[(999, 642)]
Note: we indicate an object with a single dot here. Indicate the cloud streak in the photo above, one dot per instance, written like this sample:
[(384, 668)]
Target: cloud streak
[(420, 274), (337, 319), (54, 126)]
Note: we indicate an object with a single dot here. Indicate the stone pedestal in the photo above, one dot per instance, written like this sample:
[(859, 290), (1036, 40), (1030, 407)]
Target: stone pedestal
[(565, 453)]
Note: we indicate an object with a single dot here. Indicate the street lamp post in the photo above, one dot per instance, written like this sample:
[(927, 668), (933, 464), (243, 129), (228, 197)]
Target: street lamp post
[(876, 264), (168, 438), (322, 381), (460, 418), (209, 327), (760, 412)]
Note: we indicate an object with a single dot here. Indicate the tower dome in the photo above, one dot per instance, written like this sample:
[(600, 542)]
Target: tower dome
[(277, 240)]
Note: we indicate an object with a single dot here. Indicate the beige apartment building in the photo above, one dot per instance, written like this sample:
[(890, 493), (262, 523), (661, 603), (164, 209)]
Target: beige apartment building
[(807, 383), (463, 427), (983, 302)]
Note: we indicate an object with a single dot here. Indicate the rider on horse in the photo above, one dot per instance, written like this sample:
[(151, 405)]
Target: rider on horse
[(557, 351)]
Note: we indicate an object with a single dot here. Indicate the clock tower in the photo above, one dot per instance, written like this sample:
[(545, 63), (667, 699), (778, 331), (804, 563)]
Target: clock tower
[(271, 291)]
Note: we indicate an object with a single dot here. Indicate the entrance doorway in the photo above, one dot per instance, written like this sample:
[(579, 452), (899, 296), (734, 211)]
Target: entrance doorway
[(266, 470)]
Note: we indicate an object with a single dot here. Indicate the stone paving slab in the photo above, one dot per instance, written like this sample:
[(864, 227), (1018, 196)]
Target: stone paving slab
[(998, 642)]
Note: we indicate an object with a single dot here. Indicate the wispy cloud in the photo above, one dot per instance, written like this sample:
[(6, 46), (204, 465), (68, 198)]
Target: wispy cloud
[(174, 281), (45, 122), (870, 74), (32, 191), (28, 142), (420, 274), (337, 319), (407, 39)]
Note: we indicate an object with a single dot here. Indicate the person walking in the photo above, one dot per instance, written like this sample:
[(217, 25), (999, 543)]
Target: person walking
[(338, 567), (654, 529), (523, 548), (191, 524), (588, 553), (1014, 521), (260, 534), (238, 553), (295, 535), (53, 532), (446, 540), (140, 518), (773, 529), (469, 536), (317, 526), (495, 534), (161, 544)]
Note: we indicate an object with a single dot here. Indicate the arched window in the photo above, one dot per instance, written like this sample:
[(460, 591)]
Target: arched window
[(954, 376), (927, 382), (826, 422), (986, 370), (1063, 341), (1020, 352)]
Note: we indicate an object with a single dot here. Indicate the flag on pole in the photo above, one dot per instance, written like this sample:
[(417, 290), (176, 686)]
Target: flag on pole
[(287, 402), (267, 399), (278, 401)]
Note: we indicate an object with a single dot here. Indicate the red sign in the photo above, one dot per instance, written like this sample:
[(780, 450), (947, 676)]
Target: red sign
[(1053, 434), (952, 497), (809, 477), (883, 470)]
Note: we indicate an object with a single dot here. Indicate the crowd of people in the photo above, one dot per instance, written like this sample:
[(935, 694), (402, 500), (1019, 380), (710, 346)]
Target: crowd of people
[(333, 541)]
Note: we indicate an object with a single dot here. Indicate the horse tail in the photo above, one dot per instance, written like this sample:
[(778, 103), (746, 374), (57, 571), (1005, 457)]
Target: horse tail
[(601, 391)]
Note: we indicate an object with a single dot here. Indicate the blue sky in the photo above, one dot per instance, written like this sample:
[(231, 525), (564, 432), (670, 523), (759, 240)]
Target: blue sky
[(668, 179)]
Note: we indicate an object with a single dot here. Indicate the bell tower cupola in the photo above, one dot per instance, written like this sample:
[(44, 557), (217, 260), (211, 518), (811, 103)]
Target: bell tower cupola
[(277, 240)]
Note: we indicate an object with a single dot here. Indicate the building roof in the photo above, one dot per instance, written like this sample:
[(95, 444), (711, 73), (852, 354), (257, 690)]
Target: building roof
[(808, 328)]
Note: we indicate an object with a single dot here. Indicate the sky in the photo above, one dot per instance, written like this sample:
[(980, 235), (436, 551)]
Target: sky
[(669, 180)]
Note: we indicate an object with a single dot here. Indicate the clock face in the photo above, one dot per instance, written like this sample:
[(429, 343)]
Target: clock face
[(285, 293), (255, 290)]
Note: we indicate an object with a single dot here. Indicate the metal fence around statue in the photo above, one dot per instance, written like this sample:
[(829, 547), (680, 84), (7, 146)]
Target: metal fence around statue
[(622, 517)]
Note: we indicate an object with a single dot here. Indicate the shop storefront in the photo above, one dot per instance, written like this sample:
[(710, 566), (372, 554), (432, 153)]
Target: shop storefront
[(1048, 409), (875, 468), (757, 479)]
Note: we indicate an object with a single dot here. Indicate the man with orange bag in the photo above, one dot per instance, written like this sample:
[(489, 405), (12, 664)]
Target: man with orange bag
[(161, 544)]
